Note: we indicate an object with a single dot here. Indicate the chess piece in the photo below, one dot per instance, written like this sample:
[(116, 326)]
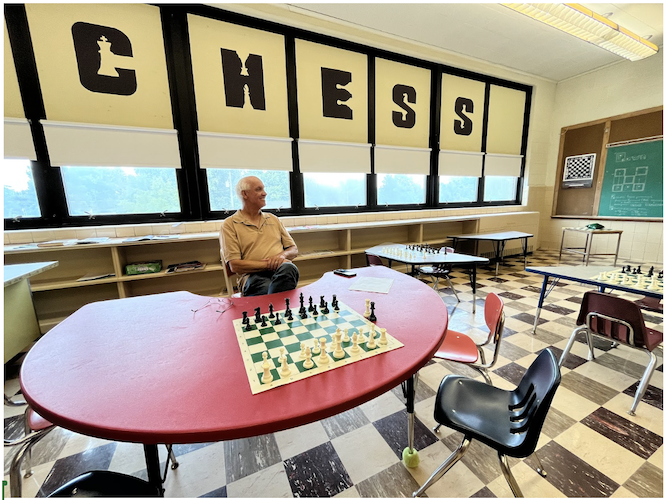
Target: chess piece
[(271, 315), (310, 304), (302, 309), (267, 378), (346, 338), (302, 355), (282, 354), (264, 323), (314, 310), (322, 301), (309, 362), (248, 327), (334, 304), (245, 318), (371, 339), (367, 313), (324, 358), (360, 336), (277, 321), (383, 336), (288, 315), (284, 368), (338, 353), (355, 345), (258, 316), (372, 317), (316, 347), (325, 309)]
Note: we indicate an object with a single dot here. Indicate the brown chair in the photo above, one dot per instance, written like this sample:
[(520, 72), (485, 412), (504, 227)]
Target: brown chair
[(438, 271), (374, 260), (622, 322)]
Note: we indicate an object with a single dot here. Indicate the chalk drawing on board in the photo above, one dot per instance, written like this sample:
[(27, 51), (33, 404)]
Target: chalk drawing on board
[(629, 179)]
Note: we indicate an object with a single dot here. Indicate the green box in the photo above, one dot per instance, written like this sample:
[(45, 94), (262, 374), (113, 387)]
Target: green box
[(154, 266)]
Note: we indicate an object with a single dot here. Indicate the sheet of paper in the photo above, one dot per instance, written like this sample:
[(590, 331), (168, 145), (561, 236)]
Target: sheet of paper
[(378, 285)]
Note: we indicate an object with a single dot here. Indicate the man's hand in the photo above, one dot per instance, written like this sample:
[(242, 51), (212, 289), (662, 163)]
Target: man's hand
[(275, 262)]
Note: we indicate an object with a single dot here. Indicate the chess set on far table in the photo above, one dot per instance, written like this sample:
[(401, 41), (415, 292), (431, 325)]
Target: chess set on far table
[(280, 347), (634, 278)]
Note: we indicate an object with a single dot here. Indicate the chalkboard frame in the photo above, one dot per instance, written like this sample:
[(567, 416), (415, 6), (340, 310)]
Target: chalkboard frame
[(594, 137)]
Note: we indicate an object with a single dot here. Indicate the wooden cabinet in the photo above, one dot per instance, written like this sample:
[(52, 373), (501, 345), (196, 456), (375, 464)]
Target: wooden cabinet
[(59, 292)]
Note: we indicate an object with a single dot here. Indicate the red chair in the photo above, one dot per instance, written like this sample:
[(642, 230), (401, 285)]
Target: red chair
[(374, 260), (461, 348), (621, 321)]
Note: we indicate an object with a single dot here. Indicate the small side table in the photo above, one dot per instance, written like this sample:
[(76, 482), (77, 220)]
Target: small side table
[(586, 249)]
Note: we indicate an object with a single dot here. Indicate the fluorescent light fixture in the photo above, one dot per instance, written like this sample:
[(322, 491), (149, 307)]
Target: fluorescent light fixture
[(585, 24)]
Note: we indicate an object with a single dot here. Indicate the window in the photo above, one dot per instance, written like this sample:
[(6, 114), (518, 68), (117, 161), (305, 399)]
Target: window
[(500, 188), (334, 189), (222, 188), (120, 190), (455, 189), (401, 189), (20, 196)]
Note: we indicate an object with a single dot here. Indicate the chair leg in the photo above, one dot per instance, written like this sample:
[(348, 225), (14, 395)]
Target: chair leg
[(446, 465), (15, 479), (484, 373), (641, 389), (435, 282), (540, 467), (569, 345), (449, 282), (172, 456), (589, 340), (514, 486)]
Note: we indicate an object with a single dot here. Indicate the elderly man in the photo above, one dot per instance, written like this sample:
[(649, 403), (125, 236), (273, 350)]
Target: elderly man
[(257, 246)]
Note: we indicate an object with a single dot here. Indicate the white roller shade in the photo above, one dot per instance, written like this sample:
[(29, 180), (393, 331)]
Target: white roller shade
[(93, 145), (244, 151), (339, 157), (502, 165), (402, 160), (18, 139), (460, 163)]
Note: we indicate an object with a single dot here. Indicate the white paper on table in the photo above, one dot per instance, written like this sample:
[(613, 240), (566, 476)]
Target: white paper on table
[(378, 285)]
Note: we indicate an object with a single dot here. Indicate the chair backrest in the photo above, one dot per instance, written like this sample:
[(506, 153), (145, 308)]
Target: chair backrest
[(530, 403), (494, 316), (619, 319), (374, 260), (229, 284)]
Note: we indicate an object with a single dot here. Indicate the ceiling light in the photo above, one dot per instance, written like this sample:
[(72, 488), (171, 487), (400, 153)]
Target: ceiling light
[(585, 24)]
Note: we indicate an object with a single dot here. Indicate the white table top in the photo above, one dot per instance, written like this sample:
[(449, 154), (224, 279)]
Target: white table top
[(14, 273)]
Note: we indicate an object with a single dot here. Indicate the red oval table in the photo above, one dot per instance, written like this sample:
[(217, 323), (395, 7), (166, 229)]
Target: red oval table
[(167, 368)]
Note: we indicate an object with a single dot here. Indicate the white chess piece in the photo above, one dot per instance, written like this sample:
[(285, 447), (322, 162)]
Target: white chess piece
[(309, 362), (284, 368), (346, 337), (367, 313), (360, 336), (371, 339), (324, 358), (383, 336), (316, 349), (267, 378), (302, 355), (338, 353), (355, 347)]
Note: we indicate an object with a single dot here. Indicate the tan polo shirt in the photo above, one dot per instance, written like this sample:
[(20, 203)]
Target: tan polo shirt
[(241, 239)]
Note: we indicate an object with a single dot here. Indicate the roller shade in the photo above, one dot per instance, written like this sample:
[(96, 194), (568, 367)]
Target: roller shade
[(83, 144), (502, 165), (402, 160), (18, 139), (460, 163), (244, 151), (339, 157)]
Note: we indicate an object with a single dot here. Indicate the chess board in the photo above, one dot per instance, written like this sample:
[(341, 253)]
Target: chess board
[(290, 334), (637, 281)]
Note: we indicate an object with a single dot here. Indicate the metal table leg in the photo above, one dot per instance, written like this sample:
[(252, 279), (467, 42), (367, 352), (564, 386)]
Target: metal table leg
[(153, 466), (543, 293), (473, 284), (410, 454)]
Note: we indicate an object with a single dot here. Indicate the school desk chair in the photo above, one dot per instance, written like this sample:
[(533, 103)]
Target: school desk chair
[(437, 271)]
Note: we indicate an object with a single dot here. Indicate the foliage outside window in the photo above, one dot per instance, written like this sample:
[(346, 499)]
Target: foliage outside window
[(454, 189), (222, 188), (20, 196), (334, 189), (120, 190), (401, 189), (500, 188)]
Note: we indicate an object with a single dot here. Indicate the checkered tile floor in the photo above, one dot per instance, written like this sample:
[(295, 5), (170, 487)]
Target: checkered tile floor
[(589, 446)]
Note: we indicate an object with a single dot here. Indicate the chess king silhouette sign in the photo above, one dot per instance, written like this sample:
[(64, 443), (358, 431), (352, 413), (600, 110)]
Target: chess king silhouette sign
[(103, 55)]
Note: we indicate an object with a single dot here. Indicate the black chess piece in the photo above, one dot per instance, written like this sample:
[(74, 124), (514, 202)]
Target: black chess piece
[(245, 318), (264, 323), (303, 314), (310, 304), (660, 275), (258, 316), (271, 315), (325, 309), (321, 301), (288, 315), (248, 327), (639, 270), (372, 316), (302, 309), (277, 321), (334, 304)]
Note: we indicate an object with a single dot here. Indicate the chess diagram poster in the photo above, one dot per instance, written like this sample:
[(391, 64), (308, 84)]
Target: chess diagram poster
[(402, 104), (240, 78), (462, 114), (332, 93), (101, 63)]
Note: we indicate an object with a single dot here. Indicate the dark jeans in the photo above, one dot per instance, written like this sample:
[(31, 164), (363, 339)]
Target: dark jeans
[(282, 279)]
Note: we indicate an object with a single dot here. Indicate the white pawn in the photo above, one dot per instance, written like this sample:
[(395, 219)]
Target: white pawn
[(282, 354), (316, 349), (360, 337), (267, 378), (371, 339), (284, 368), (346, 338), (367, 313), (355, 346), (302, 355), (383, 336), (309, 361), (324, 358)]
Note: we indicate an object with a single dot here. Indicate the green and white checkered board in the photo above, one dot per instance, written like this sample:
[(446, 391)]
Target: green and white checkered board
[(637, 281), (290, 334)]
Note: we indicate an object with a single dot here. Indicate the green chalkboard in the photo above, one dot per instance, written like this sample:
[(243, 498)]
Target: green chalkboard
[(632, 184)]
